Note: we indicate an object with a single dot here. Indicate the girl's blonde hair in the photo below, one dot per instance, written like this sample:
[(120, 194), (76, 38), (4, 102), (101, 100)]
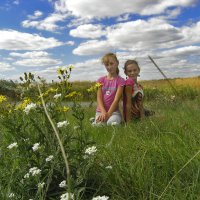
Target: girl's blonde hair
[(105, 59)]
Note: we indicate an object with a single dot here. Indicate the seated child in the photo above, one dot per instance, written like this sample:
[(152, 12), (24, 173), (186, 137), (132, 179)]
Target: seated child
[(133, 93)]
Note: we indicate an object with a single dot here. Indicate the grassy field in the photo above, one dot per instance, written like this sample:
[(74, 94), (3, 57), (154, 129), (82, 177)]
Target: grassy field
[(157, 158)]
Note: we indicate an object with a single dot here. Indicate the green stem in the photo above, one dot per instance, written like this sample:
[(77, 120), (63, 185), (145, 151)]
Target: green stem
[(60, 144)]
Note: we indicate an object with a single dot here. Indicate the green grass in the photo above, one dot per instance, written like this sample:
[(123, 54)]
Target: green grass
[(144, 155)]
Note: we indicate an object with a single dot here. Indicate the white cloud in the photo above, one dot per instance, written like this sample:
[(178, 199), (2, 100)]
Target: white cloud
[(5, 67), (33, 54), (36, 15), (14, 40), (88, 31), (16, 2), (70, 43), (133, 36), (92, 47), (191, 34), (182, 51), (140, 36), (104, 8), (38, 62), (48, 24), (35, 59)]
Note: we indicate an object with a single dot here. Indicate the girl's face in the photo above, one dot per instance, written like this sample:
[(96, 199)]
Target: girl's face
[(111, 66), (132, 71)]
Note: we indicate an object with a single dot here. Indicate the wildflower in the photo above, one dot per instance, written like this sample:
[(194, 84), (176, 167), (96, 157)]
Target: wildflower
[(172, 97), (70, 67), (12, 145), (100, 198), (61, 124), (66, 196), (97, 85), (62, 184), (108, 167), (49, 158), (29, 107), (73, 94), (76, 127), (34, 171), (94, 87), (60, 71), (50, 90), (41, 185), (90, 150), (23, 104), (11, 195), (65, 109), (26, 175), (57, 96), (2, 98), (36, 146)]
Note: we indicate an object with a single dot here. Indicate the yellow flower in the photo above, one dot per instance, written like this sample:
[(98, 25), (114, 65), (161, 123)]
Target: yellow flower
[(22, 105), (65, 108), (60, 71), (73, 94), (94, 87), (50, 90), (2, 98), (70, 67), (97, 85)]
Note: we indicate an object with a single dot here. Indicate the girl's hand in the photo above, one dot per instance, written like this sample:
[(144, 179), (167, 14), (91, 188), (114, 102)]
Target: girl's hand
[(102, 117)]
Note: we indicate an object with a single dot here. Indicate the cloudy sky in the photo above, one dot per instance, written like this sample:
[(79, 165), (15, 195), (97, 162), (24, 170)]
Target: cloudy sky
[(40, 35)]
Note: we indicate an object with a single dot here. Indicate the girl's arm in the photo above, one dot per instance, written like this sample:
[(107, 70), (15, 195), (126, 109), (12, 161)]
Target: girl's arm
[(115, 102), (128, 93), (140, 106), (100, 104)]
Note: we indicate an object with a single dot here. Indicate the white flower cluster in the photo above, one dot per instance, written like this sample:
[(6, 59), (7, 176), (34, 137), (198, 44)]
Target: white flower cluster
[(57, 96), (108, 167), (66, 196), (100, 198), (63, 184), (49, 158), (61, 124), (29, 107), (91, 150), (12, 145), (41, 185), (77, 127), (36, 146), (11, 195), (33, 171)]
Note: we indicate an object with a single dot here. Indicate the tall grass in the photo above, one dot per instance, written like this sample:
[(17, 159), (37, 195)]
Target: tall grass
[(145, 156), (155, 158)]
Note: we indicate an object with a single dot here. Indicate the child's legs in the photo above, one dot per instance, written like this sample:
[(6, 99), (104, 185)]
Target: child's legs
[(115, 118)]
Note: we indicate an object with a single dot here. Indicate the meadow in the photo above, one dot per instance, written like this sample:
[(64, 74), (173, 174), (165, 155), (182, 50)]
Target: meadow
[(50, 150)]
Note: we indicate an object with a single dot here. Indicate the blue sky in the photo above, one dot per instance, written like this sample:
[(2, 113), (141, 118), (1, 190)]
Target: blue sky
[(39, 36)]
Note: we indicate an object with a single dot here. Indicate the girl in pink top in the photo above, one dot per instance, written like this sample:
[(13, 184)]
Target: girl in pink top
[(109, 93), (133, 92)]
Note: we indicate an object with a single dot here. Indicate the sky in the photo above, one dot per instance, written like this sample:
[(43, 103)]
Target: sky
[(39, 36)]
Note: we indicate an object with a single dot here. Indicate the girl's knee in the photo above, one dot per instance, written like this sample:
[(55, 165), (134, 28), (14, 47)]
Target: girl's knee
[(114, 120)]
